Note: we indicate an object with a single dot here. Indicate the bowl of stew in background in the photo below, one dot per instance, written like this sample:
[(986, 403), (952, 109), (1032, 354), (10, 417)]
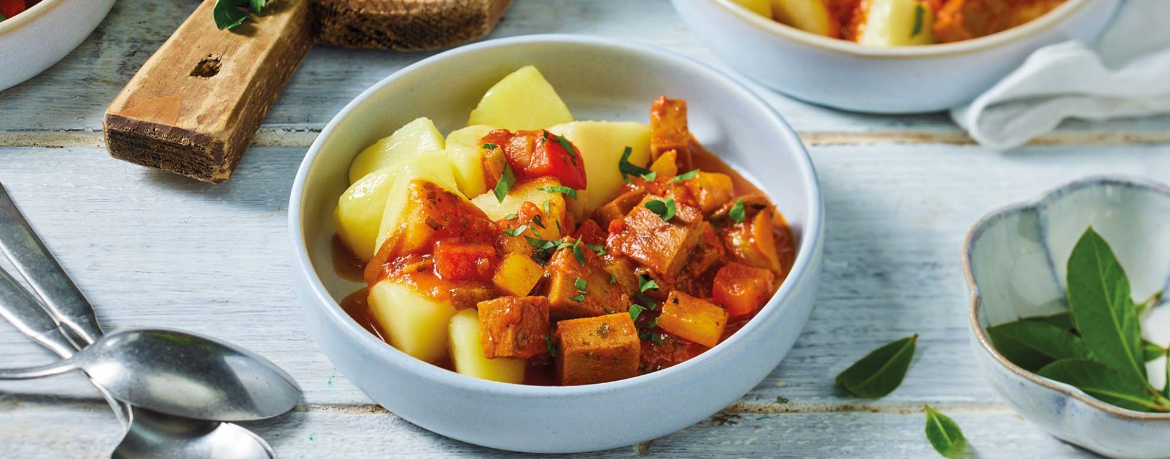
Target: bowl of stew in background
[(39, 33), (598, 79), (909, 77)]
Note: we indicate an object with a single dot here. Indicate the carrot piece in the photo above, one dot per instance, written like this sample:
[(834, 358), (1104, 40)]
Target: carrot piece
[(742, 289), (514, 327), (596, 349), (458, 261), (665, 166), (693, 319)]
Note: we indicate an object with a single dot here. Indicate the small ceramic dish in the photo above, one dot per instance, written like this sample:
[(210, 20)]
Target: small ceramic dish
[(598, 79), (1015, 263), (908, 79), (34, 40)]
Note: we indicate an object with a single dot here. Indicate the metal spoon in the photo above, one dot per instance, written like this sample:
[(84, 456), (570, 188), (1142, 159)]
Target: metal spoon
[(147, 434)]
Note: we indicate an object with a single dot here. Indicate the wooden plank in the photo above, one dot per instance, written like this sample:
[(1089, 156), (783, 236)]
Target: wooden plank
[(34, 429), (63, 106), (151, 249)]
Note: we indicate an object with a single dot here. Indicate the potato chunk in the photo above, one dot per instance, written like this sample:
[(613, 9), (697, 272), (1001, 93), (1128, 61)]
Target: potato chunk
[(415, 137), (897, 23), (742, 289), (433, 167), (760, 7), (415, 324), (596, 349), (660, 245), (514, 327), (807, 15), (528, 192), (517, 274), (693, 319), (431, 213), (359, 212), (601, 144), (468, 356), (466, 154), (523, 100)]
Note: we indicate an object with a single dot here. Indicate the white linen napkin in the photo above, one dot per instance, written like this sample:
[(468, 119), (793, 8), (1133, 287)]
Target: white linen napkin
[(1126, 73)]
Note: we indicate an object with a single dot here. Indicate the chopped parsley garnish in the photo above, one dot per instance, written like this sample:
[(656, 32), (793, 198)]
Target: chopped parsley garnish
[(598, 249), (636, 311), (490, 146), (559, 189), (548, 343), (645, 333), (511, 217), (568, 146), (612, 278), (537, 221), (645, 284), (544, 206), (737, 212), (577, 252), (541, 244), (581, 292), (516, 231), (919, 10), (685, 176), (505, 183), (649, 176), (655, 339), (627, 168), (664, 209)]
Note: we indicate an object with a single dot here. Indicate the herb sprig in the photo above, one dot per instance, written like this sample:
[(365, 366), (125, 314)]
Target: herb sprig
[(229, 14)]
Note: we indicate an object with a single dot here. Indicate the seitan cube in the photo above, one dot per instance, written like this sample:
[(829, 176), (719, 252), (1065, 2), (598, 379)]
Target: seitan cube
[(577, 290), (663, 246), (596, 349), (514, 327)]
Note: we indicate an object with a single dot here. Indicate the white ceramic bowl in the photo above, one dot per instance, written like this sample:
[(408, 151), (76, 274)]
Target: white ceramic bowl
[(909, 79), (34, 40), (598, 79), (1015, 261)]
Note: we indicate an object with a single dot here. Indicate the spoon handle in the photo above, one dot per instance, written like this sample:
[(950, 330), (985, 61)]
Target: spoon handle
[(41, 270), (25, 313)]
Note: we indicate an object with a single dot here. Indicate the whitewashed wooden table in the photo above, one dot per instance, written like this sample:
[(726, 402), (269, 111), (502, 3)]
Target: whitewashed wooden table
[(152, 249)]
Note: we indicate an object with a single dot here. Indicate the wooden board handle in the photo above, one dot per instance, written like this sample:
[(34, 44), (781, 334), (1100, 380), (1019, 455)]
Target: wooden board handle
[(193, 106)]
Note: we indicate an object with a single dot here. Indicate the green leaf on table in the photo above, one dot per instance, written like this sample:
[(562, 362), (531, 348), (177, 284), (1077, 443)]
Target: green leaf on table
[(227, 14), (880, 372), (1151, 351), (1062, 320), (1101, 306), (945, 436), (1032, 345), (257, 6), (1166, 388), (1103, 383), (1149, 304)]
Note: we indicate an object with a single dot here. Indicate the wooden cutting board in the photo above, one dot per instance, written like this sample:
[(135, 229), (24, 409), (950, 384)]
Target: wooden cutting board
[(193, 106)]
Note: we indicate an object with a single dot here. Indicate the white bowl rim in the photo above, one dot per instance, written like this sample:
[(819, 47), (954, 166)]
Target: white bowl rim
[(810, 240), (977, 297), (30, 15), (995, 40)]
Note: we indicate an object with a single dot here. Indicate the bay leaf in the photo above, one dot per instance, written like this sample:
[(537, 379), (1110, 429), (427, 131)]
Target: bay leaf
[(1032, 345), (1062, 320), (1149, 304), (881, 371), (1103, 383), (944, 434), (1101, 306), (1151, 351)]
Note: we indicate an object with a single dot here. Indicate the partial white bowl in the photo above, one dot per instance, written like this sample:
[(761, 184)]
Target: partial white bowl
[(598, 79), (1015, 262), (34, 40), (910, 79)]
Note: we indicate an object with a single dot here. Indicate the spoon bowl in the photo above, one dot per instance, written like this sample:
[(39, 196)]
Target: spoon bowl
[(180, 374)]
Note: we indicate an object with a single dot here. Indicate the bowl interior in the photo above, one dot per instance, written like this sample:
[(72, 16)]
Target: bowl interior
[(1018, 257), (598, 79)]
